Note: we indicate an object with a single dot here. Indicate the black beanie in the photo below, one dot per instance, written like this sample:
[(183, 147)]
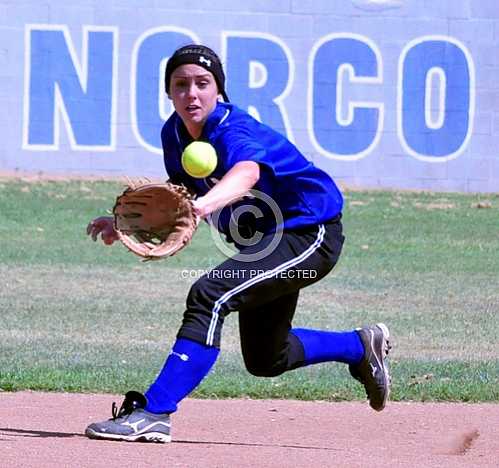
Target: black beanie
[(197, 55)]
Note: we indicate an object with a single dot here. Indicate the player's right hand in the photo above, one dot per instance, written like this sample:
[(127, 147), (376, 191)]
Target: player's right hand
[(104, 225)]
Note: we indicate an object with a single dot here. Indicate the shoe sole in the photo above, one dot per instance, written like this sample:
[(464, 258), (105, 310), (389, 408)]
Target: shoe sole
[(381, 360), (157, 437)]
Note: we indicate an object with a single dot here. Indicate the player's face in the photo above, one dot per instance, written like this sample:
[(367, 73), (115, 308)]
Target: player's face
[(194, 93)]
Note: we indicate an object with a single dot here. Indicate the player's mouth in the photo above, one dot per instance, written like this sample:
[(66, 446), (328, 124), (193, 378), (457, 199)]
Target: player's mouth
[(192, 109)]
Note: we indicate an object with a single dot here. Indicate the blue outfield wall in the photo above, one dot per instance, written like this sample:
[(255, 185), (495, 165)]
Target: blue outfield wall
[(380, 93)]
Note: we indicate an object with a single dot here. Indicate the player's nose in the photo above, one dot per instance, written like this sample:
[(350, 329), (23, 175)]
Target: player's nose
[(192, 90)]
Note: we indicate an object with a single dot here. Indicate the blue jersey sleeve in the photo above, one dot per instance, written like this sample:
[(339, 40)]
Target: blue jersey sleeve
[(238, 144)]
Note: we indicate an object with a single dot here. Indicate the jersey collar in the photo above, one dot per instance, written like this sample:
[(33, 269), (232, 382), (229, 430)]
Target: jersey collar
[(218, 116)]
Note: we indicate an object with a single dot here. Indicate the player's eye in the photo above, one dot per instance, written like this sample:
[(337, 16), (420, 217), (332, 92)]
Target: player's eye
[(180, 84)]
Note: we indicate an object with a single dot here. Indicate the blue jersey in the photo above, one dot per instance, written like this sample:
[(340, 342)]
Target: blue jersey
[(304, 194)]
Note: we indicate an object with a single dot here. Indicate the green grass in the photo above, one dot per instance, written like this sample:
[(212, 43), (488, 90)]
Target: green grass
[(80, 316)]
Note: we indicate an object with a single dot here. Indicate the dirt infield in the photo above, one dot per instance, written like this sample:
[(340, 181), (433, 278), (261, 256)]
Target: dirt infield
[(45, 429)]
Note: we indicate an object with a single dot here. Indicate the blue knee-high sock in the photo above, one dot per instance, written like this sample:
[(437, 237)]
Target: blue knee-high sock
[(188, 363), (324, 346)]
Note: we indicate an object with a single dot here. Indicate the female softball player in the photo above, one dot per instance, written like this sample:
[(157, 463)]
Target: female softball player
[(284, 216)]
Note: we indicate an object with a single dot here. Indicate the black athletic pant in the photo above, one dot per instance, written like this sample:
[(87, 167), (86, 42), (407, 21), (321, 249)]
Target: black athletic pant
[(265, 293)]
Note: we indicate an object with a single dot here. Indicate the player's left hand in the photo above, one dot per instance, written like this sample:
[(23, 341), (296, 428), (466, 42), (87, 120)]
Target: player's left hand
[(199, 207), (155, 220)]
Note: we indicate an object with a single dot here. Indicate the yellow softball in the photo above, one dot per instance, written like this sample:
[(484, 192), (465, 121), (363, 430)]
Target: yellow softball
[(199, 159)]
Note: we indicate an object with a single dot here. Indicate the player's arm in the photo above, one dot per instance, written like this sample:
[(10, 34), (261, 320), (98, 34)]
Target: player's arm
[(234, 185)]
